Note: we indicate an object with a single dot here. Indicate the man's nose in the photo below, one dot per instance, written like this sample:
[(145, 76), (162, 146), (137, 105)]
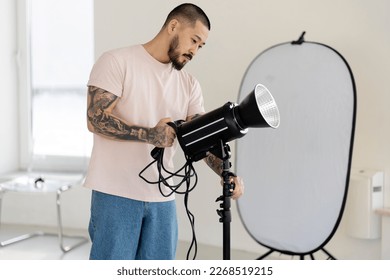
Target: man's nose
[(193, 51)]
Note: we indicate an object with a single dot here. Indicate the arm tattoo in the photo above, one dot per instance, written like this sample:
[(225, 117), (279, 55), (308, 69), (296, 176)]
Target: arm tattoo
[(214, 163), (104, 123)]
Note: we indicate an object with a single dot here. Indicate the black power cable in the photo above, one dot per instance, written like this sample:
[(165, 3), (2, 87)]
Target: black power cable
[(184, 178)]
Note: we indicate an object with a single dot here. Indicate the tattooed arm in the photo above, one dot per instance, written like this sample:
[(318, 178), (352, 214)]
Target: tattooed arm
[(101, 121), (216, 164)]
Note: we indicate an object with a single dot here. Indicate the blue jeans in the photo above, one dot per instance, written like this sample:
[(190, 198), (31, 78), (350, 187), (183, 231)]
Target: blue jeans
[(126, 229)]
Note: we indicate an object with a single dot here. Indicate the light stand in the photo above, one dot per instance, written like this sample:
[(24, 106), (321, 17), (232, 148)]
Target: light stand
[(224, 211)]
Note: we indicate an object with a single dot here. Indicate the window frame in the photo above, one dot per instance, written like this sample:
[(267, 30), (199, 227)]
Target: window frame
[(27, 160)]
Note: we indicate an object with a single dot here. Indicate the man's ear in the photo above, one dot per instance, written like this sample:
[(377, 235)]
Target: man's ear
[(173, 26)]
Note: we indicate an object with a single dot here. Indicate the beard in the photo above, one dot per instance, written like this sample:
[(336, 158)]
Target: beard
[(174, 54)]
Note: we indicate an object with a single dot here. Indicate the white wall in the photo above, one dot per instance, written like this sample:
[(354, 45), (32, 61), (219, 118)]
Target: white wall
[(358, 29), (9, 90)]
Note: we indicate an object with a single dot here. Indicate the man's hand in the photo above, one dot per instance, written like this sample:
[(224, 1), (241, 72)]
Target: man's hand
[(216, 165), (162, 135), (238, 186)]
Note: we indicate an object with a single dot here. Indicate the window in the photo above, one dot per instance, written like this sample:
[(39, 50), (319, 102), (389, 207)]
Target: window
[(60, 56)]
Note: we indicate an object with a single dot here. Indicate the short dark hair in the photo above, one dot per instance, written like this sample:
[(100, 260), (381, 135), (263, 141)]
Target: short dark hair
[(190, 13)]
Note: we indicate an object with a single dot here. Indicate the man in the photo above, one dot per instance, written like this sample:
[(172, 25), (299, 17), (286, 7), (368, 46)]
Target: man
[(132, 93)]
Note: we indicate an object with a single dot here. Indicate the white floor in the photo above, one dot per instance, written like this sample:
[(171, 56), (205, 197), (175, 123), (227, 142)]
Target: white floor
[(47, 247)]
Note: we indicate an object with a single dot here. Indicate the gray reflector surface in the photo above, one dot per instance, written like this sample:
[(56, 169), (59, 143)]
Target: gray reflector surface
[(296, 176)]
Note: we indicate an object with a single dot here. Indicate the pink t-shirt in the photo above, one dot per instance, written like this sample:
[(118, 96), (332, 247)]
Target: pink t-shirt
[(148, 91)]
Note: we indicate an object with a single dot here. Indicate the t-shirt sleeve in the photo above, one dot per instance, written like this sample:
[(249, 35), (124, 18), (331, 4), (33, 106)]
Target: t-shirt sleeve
[(196, 104), (107, 74)]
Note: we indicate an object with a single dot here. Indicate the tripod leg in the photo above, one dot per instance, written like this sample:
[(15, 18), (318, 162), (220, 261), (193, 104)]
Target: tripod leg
[(265, 255), (330, 257)]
